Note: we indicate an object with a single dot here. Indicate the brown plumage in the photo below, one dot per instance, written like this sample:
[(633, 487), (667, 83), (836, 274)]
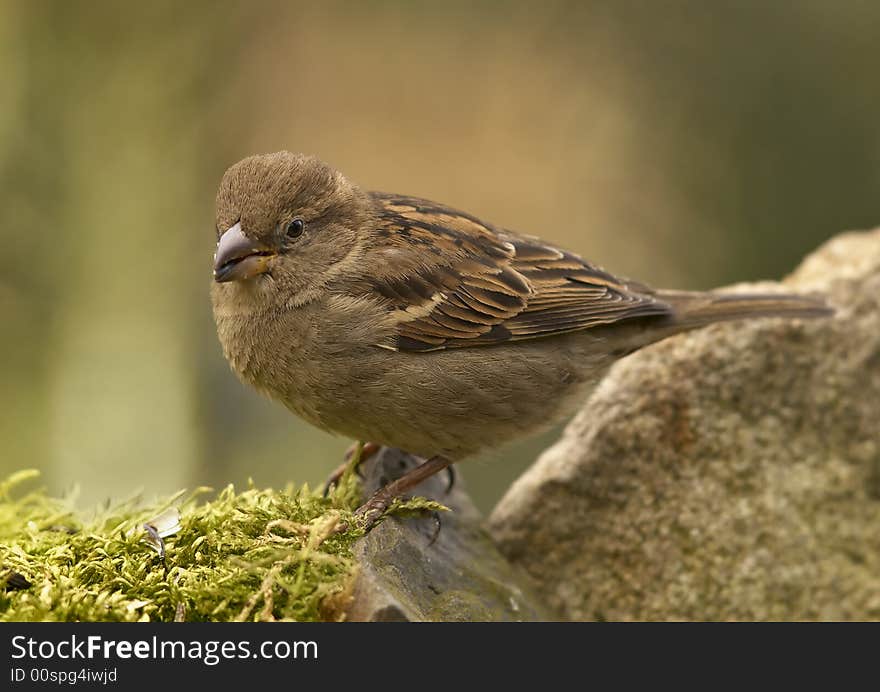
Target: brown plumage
[(404, 322), (484, 286)]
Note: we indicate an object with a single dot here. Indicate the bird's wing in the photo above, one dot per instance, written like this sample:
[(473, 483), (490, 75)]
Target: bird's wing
[(452, 281)]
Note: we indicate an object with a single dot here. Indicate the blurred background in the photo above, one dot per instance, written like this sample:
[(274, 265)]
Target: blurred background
[(689, 144)]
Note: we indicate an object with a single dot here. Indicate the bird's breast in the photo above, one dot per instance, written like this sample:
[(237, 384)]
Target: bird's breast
[(309, 357)]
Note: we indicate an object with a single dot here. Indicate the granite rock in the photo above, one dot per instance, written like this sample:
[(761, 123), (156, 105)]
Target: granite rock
[(410, 571), (732, 473)]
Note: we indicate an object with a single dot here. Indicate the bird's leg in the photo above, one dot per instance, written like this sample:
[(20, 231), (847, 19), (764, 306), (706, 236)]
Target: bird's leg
[(358, 453), (375, 507)]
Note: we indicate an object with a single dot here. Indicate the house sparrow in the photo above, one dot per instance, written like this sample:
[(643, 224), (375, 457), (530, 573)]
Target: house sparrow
[(410, 324)]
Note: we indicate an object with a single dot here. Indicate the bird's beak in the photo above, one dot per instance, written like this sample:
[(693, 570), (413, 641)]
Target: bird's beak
[(238, 257)]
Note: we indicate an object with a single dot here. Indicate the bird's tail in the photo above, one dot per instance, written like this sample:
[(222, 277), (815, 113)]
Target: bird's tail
[(692, 310)]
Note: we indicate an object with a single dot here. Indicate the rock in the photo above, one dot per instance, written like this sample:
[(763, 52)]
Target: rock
[(461, 576), (732, 473)]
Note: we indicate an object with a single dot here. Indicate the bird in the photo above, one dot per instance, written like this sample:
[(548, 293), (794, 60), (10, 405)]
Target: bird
[(411, 324)]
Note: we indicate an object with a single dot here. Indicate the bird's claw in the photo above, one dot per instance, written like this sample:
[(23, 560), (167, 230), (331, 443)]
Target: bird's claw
[(450, 478), (370, 512), (438, 524), (367, 515)]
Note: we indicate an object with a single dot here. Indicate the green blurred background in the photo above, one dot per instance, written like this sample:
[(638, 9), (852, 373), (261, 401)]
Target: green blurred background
[(689, 144)]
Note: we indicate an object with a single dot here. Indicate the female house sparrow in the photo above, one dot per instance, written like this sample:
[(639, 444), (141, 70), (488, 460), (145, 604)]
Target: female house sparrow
[(409, 324)]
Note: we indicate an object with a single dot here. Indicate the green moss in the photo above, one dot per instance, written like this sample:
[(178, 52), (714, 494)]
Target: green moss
[(251, 555)]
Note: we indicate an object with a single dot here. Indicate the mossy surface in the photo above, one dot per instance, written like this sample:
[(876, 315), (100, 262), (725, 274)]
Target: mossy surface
[(251, 555)]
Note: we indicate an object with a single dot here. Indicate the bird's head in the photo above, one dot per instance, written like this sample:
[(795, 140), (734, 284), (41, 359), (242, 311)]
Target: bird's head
[(287, 220)]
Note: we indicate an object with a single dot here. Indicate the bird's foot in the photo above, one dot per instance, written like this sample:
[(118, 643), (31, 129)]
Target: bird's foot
[(357, 454), (372, 510), (368, 514)]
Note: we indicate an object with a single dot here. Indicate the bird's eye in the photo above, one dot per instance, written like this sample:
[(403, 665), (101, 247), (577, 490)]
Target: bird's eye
[(295, 228)]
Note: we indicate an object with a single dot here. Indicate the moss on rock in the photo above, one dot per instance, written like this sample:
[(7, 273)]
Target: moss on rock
[(255, 555)]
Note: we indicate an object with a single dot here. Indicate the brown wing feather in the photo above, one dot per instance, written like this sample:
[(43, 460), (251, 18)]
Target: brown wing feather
[(453, 281)]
